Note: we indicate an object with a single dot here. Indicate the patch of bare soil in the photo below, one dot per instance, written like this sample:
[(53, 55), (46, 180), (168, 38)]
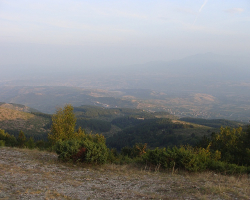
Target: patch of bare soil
[(33, 174)]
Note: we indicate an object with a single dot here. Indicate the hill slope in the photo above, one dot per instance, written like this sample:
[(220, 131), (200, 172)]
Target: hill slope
[(15, 117), (31, 174)]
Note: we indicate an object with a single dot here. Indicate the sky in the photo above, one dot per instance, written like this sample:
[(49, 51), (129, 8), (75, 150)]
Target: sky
[(79, 34)]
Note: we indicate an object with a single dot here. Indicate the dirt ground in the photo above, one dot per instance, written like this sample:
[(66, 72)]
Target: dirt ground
[(33, 174)]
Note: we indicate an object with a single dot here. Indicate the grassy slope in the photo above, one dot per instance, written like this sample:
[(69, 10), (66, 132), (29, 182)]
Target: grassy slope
[(13, 118), (21, 170)]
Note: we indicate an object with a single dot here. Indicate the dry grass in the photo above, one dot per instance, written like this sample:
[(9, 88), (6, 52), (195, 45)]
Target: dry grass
[(33, 174), (17, 120), (10, 114)]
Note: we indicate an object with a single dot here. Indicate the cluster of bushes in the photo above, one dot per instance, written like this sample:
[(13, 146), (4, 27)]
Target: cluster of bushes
[(85, 148), (191, 159), (227, 151)]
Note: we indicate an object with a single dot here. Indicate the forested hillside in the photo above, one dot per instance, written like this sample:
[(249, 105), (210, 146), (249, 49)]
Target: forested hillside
[(154, 132), (121, 126), (215, 123), (15, 118), (141, 140)]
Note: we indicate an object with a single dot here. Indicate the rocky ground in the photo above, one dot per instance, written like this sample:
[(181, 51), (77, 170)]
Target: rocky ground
[(33, 174)]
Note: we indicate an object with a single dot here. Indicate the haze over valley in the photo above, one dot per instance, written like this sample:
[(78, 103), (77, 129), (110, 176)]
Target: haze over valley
[(190, 59)]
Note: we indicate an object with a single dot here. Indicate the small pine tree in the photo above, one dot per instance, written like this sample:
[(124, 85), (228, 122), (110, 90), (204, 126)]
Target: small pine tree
[(21, 139), (30, 143)]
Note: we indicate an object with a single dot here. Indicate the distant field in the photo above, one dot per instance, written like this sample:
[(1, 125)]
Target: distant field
[(187, 104)]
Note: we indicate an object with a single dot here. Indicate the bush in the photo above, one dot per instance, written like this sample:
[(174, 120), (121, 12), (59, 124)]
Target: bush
[(190, 159), (112, 155), (2, 143), (136, 151), (187, 158), (8, 139), (227, 168), (30, 143), (21, 139), (95, 152), (89, 149), (67, 149), (40, 144)]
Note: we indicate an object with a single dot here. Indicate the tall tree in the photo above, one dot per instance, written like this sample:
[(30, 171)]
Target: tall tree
[(63, 124)]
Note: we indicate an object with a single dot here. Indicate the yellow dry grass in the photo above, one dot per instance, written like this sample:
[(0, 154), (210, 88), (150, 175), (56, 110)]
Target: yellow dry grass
[(10, 114)]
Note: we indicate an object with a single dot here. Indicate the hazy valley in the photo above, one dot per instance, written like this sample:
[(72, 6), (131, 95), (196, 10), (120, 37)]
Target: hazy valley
[(204, 86)]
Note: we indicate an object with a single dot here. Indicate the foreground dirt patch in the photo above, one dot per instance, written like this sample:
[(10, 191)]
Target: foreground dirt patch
[(26, 174)]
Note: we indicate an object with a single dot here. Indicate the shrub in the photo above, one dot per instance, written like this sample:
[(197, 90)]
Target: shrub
[(191, 160), (2, 134), (187, 158), (227, 168), (112, 155), (136, 151), (30, 143), (96, 152), (163, 157), (80, 155), (40, 144), (8, 139), (88, 148), (67, 149), (2, 143), (21, 139)]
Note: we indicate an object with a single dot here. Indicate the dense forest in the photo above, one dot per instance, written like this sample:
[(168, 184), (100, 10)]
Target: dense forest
[(155, 132)]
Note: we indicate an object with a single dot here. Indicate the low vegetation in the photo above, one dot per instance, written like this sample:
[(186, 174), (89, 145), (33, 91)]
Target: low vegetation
[(227, 151), (34, 174)]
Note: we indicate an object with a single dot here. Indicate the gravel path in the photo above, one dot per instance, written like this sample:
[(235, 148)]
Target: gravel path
[(26, 174)]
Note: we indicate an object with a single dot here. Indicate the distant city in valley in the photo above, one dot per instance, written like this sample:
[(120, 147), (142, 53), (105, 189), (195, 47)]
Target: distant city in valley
[(202, 86)]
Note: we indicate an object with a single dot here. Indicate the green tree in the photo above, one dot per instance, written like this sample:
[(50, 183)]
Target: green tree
[(63, 125), (3, 135), (30, 143), (230, 142), (21, 139), (9, 140)]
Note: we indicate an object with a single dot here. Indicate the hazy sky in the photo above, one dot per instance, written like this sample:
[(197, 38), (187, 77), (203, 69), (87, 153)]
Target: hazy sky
[(79, 33)]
